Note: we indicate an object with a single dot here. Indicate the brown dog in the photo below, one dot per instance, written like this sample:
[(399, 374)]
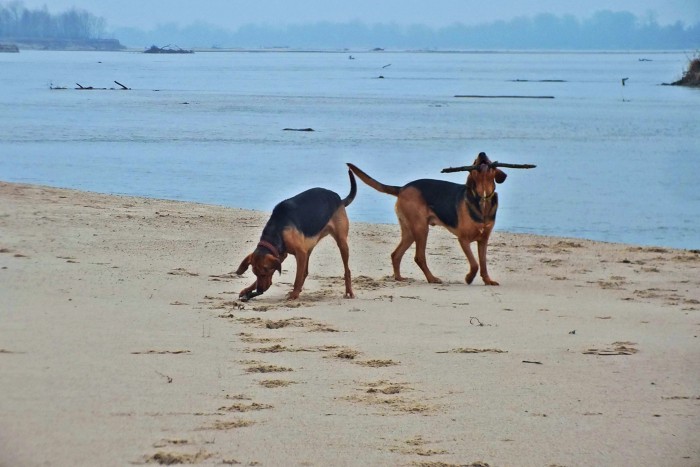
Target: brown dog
[(468, 211), (295, 227)]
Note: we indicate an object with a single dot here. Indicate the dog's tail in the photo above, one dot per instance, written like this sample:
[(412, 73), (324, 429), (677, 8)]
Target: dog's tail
[(353, 190), (388, 189)]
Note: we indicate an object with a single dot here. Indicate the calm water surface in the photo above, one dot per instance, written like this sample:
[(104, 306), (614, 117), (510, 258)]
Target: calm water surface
[(615, 163)]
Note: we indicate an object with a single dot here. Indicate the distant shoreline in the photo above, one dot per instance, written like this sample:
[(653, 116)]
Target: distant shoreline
[(41, 186), (65, 44), (113, 45)]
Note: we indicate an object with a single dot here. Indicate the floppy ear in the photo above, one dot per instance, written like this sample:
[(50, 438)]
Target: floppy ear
[(278, 266), (244, 264), (470, 181), (500, 176)]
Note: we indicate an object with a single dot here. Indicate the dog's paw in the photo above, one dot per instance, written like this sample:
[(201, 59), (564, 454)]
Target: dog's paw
[(293, 295)]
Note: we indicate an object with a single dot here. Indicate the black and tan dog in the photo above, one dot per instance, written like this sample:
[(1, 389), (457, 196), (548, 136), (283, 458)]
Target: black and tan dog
[(468, 211), (295, 227)]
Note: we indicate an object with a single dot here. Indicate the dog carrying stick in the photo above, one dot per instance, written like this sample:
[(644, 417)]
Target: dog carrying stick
[(492, 165)]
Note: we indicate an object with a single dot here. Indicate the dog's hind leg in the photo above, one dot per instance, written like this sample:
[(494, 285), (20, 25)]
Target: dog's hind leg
[(397, 254), (345, 256), (340, 229), (420, 233)]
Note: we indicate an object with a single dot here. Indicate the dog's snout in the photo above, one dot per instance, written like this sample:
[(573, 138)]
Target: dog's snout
[(264, 283)]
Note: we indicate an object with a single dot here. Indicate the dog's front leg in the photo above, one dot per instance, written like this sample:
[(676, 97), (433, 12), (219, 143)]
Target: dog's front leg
[(473, 265), (483, 244), (302, 271)]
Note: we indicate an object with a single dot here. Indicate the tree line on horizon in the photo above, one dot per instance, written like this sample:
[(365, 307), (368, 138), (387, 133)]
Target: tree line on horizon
[(18, 22), (603, 30)]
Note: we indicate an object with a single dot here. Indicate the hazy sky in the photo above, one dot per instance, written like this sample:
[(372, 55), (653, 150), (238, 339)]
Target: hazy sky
[(231, 14)]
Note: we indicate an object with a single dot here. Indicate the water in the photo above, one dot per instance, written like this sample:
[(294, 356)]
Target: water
[(614, 163)]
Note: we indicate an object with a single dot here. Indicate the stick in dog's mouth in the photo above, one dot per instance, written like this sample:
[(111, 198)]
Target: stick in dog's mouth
[(249, 295)]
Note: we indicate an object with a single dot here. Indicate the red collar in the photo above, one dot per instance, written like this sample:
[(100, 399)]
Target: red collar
[(273, 249)]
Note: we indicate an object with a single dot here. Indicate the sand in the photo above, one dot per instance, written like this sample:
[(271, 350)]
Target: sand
[(122, 342)]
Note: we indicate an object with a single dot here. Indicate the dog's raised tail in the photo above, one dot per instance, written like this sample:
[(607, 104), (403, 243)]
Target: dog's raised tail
[(353, 190), (388, 189)]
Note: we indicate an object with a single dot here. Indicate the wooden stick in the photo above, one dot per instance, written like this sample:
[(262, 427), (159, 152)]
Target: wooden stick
[(465, 168), (514, 166)]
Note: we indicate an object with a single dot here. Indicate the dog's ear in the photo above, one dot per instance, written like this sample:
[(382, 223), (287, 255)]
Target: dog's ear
[(278, 266), (244, 264), (470, 181), (500, 176)]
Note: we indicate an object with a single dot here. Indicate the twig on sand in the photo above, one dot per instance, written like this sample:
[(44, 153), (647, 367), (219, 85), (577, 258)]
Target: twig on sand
[(478, 321), (170, 380)]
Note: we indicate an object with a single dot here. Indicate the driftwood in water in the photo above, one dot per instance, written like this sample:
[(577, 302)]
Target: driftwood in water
[(166, 49), (537, 81), (298, 129), (474, 96), (91, 88), (87, 88)]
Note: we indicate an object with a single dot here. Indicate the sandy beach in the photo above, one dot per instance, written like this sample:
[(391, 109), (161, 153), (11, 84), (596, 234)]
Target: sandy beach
[(123, 342)]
